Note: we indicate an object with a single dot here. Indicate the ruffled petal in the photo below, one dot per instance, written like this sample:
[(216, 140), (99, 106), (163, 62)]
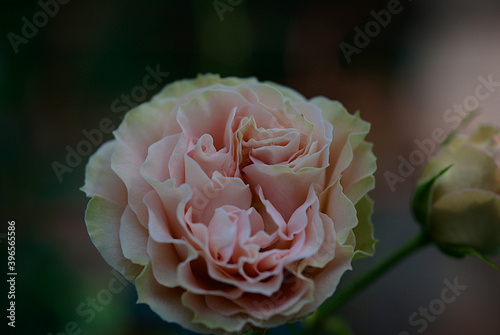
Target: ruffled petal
[(133, 238), (357, 178), (185, 87), (349, 132), (210, 318), (365, 241), (327, 278), (103, 224), (278, 182), (141, 127), (101, 180), (156, 165), (165, 301), (340, 209), (210, 112)]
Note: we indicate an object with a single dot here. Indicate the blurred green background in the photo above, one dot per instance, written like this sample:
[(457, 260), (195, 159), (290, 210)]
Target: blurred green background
[(64, 79)]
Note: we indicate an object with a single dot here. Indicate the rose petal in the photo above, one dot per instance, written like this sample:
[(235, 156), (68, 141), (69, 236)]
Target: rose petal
[(482, 174), (208, 317), (287, 92), (279, 182), (100, 179), (210, 160), (159, 156), (294, 294), (340, 209), (209, 194), (166, 302), (468, 218), (168, 258), (133, 238), (357, 178), (348, 132), (141, 127), (365, 241), (185, 87), (210, 112), (166, 206), (327, 278), (103, 224), (325, 252), (222, 231)]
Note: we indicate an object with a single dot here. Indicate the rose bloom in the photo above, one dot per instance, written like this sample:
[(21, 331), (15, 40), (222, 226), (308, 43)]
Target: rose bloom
[(465, 210), (232, 204)]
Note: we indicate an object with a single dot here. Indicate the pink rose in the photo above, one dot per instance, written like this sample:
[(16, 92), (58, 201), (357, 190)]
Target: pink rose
[(232, 203)]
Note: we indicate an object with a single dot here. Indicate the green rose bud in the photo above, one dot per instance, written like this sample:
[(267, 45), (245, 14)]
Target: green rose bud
[(458, 197)]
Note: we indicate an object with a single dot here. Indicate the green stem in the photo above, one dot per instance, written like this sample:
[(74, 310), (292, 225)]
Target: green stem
[(338, 299)]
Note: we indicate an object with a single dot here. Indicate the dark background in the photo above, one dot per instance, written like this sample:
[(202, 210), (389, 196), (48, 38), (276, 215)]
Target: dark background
[(64, 79)]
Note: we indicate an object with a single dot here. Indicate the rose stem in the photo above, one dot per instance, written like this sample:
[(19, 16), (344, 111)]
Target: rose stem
[(337, 300)]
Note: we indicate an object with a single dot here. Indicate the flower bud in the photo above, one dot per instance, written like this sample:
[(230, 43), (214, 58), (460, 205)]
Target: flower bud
[(463, 204)]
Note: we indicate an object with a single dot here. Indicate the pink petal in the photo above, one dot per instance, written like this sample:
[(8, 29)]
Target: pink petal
[(166, 302), (133, 238), (279, 182), (100, 179), (103, 224), (159, 154)]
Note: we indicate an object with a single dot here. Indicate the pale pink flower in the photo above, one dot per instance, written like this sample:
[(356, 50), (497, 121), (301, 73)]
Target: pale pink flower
[(232, 203)]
